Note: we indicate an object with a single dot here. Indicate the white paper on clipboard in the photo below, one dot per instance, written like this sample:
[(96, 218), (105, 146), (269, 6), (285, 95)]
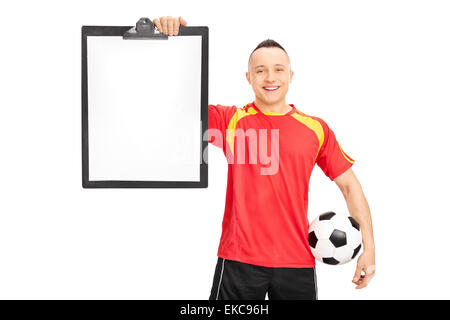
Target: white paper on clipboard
[(144, 115)]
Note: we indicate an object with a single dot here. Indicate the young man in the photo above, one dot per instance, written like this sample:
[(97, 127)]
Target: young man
[(264, 243)]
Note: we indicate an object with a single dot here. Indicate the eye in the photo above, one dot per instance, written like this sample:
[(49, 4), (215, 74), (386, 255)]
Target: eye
[(258, 71)]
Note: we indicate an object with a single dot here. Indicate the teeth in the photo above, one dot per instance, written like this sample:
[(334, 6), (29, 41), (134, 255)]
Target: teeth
[(271, 88)]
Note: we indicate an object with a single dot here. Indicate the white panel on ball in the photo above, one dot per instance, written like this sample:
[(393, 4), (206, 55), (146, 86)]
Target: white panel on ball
[(323, 229), (341, 222), (353, 238), (325, 249), (343, 254)]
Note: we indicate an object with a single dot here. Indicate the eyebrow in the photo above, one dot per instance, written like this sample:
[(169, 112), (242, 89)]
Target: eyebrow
[(278, 64)]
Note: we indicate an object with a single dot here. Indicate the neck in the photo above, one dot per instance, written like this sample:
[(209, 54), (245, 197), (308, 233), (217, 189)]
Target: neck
[(278, 107)]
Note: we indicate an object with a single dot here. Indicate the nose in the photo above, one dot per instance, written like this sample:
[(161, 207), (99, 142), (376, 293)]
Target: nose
[(270, 76)]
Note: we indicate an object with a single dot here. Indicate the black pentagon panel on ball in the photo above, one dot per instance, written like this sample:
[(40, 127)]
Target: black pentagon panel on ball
[(312, 239), (356, 251), (354, 223), (327, 215), (332, 261), (338, 238)]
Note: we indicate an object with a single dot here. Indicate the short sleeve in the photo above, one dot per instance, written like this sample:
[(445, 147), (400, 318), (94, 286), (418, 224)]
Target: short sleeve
[(331, 157), (218, 119)]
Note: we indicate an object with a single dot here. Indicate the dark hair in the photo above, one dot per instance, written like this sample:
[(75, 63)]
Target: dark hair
[(268, 43)]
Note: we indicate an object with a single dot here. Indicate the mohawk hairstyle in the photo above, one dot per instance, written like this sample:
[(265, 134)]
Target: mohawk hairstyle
[(268, 43)]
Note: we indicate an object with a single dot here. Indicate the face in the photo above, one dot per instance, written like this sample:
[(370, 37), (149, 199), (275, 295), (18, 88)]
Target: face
[(270, 74)]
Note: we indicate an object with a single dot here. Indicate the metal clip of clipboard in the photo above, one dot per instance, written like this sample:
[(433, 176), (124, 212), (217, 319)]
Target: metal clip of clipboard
[(144, 30)]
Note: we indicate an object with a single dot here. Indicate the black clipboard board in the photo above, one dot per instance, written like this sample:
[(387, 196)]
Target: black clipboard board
[(94, 174)]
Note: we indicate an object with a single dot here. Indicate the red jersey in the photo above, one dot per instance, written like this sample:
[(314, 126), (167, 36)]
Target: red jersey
[(270, 160)]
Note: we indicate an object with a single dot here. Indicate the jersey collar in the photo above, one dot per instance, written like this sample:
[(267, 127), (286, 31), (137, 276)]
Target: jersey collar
[(252, 105)]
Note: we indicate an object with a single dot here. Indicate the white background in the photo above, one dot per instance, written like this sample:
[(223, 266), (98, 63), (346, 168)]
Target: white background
[(377, 71)]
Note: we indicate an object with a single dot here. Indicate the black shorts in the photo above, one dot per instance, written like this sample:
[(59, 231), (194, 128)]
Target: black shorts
[(235, 280)]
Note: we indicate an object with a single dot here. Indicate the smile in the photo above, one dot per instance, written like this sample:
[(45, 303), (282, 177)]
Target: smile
[(271, 89)]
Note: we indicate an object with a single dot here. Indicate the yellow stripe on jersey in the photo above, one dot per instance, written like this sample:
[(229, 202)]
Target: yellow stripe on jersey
[(238, 115), (252, 110), (345, 155), (314, 125)]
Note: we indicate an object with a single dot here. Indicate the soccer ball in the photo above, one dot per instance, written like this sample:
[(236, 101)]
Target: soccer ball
[(334, 238)]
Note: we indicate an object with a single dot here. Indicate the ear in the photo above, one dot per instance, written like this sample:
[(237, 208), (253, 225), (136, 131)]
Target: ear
[(247, 75), (291, 75)]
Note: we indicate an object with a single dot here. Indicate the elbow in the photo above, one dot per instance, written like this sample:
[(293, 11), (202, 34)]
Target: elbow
[(351, 189)]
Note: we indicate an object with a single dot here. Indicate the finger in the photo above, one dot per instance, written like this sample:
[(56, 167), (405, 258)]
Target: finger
[(365, 279), (358, 271), (170, 23), (369, 277), (164, 24), (157, 23), (176, 27), (360, 286), (359, 281), (370, 270), (182, 22), (364, 283)]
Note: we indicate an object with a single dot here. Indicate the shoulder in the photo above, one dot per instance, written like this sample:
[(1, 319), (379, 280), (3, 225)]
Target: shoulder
[(221, 107), (315, 123), (220, 114), (318, 119), (229, 113)]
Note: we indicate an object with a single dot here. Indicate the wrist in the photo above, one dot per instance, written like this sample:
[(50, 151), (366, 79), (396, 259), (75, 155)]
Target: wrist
[(368, 244), (369, 248)]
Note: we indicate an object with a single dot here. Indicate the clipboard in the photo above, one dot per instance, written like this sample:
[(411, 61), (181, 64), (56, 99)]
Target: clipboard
[(144, 107)]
